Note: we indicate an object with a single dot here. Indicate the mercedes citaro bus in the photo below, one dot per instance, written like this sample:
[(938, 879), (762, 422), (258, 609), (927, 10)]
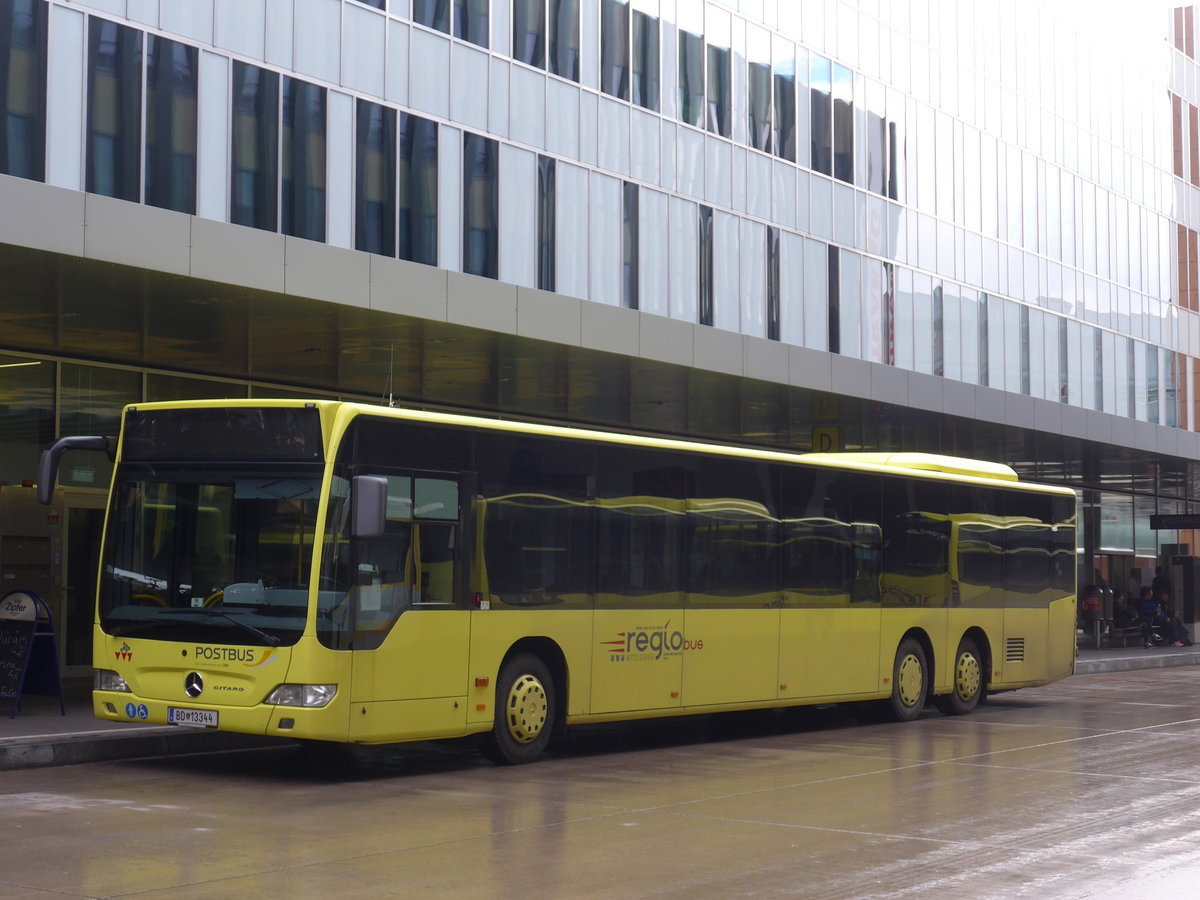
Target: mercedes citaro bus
[(354, 573)]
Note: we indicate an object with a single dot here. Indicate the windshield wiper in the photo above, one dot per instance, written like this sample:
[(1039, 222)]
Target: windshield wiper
[(271, 640)]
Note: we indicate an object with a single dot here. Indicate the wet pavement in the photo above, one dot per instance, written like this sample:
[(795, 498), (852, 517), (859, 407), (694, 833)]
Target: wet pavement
[(40, 736), (1087, 788)]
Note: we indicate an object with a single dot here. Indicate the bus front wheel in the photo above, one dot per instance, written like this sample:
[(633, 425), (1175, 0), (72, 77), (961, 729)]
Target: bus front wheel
[(910, 681), (524, 712), (968, 681)]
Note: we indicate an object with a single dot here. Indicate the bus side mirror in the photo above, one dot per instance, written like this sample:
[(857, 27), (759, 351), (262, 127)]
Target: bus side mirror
[(368, 505), (47, 471)]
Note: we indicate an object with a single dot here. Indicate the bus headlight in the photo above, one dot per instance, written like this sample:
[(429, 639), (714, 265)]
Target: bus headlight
[(108, 680), (312, 696)]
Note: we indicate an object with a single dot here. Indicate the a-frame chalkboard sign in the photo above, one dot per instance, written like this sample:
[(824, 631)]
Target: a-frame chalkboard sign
[(28, 654)]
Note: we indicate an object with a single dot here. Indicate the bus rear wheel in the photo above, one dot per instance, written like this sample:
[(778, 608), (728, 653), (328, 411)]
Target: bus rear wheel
[(910, 681), (968, 681), (525, 711)]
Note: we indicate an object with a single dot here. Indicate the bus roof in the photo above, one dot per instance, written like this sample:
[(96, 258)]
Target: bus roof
[(928, 464)]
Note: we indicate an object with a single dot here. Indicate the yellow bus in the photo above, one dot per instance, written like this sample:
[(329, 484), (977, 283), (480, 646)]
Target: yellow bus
[(345, 572)]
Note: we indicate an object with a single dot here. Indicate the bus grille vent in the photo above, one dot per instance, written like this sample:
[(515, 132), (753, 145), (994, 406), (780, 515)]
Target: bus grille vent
[(1014, 650)]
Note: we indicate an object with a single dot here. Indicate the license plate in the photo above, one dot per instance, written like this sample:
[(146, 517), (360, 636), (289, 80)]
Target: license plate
[(193, 718)]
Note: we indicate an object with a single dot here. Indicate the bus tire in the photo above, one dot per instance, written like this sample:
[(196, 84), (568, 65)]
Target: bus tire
[(525, 711), (910, 681), (969, 686)]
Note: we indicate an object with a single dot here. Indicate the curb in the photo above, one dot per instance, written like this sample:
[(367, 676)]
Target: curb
[(92, 746), (1132, 663)]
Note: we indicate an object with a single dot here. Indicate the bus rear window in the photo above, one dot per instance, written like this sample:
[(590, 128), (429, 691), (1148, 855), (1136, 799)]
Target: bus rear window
[(247, 434)]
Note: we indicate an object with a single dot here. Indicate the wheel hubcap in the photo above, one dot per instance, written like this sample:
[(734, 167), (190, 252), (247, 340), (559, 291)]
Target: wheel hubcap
[(968, 676), (909, 679), (525, 710)]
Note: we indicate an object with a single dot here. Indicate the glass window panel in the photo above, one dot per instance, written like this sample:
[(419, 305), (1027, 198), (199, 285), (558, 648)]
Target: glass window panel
[(471, 21), (614, 48), (303, 188), (784, 101), (645, 61), (375, 179), (691, 78), (255, 147), (114, 110), (90, 402), (922, 324), (705, 266), (821, 103), (629, 246), (717, 118), (171, 124), (481, 210), (23, 93), (564, 38), (418, 190), (432, 13), (952, 356), (875, 137), (759, 89), (774, 276), (545, 223), (27, 417), (529, 32), (843, 124)]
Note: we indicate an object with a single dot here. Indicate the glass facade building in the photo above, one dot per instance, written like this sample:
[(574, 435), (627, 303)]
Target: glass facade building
[(961, 227)]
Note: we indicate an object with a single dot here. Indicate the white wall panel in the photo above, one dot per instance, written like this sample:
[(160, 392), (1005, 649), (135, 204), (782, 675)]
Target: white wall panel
[(589, 44), (364, 47), (653, 252), (588, 138), (527, 107), (726, 272), (498, 87), (783, 194), (430, 90), (562, 117), (281, 17), (518, 216), (397, 62), (240, 26), (469, 86), (212, 151), (612, 136), (189, 18), (450, 179), (753, 293), (791, 288), (816, 295), (689, 162), (644, 145), (571, 229), (144, 11), (718, 171), (318, 26), (340, 163), (604, 244), (759, 171), (684, 262), (64, 106)]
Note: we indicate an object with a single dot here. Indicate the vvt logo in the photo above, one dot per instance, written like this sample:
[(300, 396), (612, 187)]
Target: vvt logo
[(125, 652)]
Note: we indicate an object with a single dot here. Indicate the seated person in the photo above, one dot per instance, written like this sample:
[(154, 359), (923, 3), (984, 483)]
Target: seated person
[(1174, 630), (1125, 616), (1148, 617)]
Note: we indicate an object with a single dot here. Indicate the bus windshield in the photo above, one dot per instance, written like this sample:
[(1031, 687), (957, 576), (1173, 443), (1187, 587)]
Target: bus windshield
[(210, 554)]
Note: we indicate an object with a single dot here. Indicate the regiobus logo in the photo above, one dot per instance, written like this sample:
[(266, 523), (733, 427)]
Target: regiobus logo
[(648, 642)]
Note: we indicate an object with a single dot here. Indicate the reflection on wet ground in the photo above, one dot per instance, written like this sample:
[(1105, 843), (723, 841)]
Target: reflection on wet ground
[(1042, 793)]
